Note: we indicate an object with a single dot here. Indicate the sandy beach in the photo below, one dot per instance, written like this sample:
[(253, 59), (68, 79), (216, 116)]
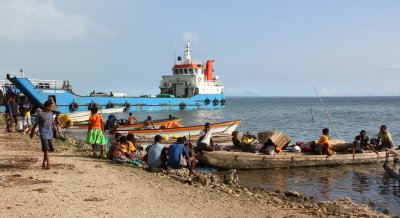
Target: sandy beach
[(79, 185)]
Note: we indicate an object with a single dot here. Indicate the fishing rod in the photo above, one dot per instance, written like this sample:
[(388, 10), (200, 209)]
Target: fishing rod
[(312, 116), (326, 111)]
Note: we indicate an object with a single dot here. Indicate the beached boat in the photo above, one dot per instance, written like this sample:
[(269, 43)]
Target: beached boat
[(225, 128), (83, 116), (79, 127), (192, 85), (245, 160)]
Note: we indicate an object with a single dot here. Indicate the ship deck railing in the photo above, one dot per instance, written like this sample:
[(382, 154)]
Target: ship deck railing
[(47, 84)]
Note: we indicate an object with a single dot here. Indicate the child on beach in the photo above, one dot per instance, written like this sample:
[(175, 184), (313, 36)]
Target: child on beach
[(120, 151), (57, 123), (44, 120), (126, 147), (95, 134), (110, 152)]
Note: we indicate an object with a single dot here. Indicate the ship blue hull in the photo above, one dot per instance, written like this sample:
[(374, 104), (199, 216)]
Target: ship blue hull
[(68, 102)]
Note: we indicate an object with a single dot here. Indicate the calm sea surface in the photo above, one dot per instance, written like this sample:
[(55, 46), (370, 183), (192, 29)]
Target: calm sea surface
[(303, 119)]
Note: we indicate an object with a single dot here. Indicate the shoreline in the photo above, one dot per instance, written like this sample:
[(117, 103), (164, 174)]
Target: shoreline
[(80, 185)]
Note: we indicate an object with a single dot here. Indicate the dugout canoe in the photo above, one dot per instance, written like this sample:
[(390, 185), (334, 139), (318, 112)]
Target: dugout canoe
[(223, 128), (245, 160)]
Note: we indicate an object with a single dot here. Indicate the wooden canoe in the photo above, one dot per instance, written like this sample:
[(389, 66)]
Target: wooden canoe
[(83, 116), (225, 128), (157, 123), (245, 160)]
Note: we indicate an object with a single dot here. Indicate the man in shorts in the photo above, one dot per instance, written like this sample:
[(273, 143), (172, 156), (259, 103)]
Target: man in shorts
[(44, 120)]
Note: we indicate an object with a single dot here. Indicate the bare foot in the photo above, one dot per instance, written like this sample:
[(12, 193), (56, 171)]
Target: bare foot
[(48, 167)]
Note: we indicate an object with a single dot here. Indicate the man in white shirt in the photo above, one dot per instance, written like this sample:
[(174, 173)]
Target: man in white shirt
[(205, 141)]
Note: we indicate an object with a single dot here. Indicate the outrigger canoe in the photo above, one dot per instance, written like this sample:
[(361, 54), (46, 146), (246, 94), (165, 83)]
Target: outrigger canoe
[(225, 128), (157, 123), (245, 160)]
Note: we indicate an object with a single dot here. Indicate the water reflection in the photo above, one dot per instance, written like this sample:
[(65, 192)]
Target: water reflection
[(362, 183)]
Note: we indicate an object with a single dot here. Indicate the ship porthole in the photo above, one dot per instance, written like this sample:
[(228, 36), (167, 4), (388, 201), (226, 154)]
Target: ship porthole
[(207, 101)]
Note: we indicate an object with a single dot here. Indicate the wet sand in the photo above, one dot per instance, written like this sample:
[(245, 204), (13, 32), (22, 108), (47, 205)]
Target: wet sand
[(78, 185)]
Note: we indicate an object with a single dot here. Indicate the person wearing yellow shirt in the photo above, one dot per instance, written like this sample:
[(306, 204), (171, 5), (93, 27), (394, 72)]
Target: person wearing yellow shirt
[(127, 148), (322, 146)]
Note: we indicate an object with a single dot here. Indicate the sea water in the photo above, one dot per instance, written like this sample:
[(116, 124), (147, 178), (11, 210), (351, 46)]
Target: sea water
[(302, 118)]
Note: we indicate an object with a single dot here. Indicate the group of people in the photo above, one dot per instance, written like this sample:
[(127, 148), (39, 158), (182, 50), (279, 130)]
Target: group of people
[(126, 149), (320, 147), (360, 144), (18, 110)]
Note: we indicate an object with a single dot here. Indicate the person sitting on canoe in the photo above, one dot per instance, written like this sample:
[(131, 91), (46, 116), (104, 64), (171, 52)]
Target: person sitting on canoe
[(384, 138), (205, 139), (148, 123), (131, 119), (236, 142), (360, 142), (323, 144)]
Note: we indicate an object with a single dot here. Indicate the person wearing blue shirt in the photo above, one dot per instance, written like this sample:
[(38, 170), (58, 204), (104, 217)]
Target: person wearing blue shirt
[(154, 153), (44, 120), (174, 154)]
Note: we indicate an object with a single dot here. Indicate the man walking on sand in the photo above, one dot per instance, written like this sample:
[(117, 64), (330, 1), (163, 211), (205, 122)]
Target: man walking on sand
[(44, 120)]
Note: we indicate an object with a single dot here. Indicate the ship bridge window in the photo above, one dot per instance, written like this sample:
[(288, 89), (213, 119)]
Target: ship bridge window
[(176, 71), (180, 71), (186, 71), (199, 71), (190, 70)]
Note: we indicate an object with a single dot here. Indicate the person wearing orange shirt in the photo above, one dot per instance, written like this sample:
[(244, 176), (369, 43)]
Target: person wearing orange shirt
[(322, 146), (95, 134)]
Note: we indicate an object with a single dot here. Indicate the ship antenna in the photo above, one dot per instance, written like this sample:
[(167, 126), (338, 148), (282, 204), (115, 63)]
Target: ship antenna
[(174, 50), (195, 49)]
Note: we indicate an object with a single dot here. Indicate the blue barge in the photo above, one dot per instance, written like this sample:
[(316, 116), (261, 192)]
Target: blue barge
[(191, 86)]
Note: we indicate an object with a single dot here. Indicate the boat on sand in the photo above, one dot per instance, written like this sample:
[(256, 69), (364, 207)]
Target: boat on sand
[(225, 128)]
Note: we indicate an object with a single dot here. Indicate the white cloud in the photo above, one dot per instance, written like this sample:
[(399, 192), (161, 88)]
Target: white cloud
[(360, 92), (41, 20), (189, 36), (394, 66)]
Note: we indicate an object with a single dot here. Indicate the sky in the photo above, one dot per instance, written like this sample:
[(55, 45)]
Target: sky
[(260, 48)]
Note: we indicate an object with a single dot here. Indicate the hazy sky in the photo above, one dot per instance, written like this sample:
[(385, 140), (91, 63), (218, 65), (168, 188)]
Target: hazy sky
[(269, 48)]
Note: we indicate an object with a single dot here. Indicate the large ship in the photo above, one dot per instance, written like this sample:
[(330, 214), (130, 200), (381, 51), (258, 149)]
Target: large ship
[(191, 86)]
